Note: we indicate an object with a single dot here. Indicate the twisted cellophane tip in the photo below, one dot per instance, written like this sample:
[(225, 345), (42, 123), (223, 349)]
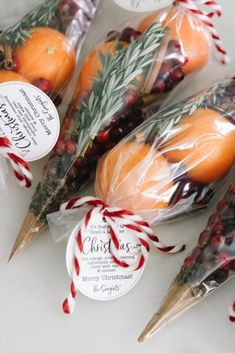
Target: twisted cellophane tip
[(178, 299), (30, 230)]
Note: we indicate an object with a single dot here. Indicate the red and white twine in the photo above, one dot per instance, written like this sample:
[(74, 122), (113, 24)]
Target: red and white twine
[(200, 9), (20, 167), (114, 217)]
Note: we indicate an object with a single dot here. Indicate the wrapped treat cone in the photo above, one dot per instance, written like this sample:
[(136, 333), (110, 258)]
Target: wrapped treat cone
[(87, 134), (210, 264), (178, 299)]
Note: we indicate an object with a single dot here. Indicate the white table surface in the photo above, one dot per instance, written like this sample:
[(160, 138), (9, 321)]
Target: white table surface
[(34, 284)]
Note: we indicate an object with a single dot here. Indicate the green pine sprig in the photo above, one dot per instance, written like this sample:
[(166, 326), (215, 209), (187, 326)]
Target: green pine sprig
[(118, 73), (40, 16)]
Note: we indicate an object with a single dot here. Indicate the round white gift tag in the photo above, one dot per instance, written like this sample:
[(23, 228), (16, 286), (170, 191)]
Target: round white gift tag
[(29, 119), (143, 5), (100, 277)]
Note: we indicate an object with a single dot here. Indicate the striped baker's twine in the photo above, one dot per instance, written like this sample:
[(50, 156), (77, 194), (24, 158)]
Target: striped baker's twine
[(200, 9), (20, 167), (114, 217)]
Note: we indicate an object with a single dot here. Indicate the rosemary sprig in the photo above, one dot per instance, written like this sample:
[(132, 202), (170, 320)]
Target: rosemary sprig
[(40, 16), (165, 120), (109, 88)]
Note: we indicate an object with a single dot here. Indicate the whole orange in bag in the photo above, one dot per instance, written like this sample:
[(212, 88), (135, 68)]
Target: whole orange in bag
[(93, 64), (189, 32), (135, 177), (6, 76), (205, 143), (47, 55)]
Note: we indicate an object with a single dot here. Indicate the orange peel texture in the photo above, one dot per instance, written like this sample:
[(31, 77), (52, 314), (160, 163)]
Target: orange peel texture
[(47, 54), (134, 177), (205, 143)]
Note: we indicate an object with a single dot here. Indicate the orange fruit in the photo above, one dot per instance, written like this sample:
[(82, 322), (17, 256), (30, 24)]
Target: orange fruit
[(205, 143), (93, 64), (135, 177), (6, 76), (189, 31), (48, 55)]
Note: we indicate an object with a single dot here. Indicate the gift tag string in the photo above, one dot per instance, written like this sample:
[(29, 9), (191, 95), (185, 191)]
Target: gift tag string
[(114, 217), (20, 166)]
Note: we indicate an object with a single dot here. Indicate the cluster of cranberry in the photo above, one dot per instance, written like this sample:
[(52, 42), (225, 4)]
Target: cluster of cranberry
[(212, 260), (118, 127), (171, 70)]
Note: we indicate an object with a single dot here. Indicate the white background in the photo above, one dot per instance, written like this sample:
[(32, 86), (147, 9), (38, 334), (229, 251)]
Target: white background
[(33, 286)]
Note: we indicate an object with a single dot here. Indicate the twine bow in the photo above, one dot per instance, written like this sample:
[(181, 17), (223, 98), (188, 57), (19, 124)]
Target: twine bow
[(20, 167), (205, 10), (114, 217)]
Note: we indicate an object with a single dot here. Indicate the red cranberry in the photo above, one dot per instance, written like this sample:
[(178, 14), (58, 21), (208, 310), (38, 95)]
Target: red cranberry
[(177, 75), (159, 86), (64, 6), (218, 228), (16, 65), (103, 136), (166, 68), (222, 205), (217, 241), (43, 84), (203, 239), (188, 262), (215, 218), (71, 147), (59, 147), (131, 97)]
